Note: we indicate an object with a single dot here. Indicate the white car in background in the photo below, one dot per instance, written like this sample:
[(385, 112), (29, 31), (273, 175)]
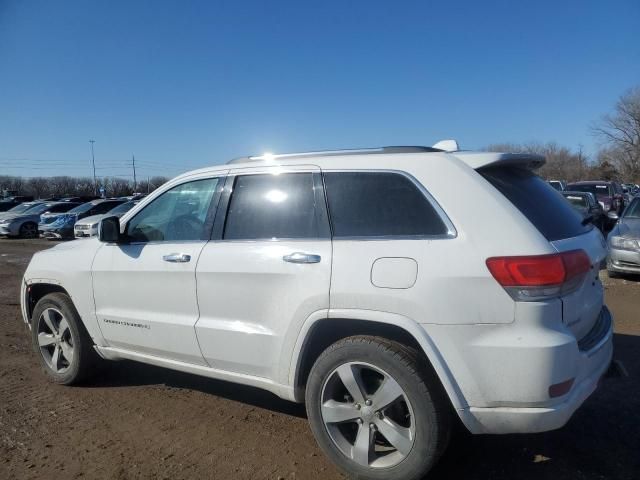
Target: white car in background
[(88, 227), (358, 282)]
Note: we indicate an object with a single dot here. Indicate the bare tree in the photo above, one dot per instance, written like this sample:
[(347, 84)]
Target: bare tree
[(620, 134), (44, 187)]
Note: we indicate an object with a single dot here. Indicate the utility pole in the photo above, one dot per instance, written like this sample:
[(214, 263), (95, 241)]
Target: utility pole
[(133, 163), (93, 162), (148, 183)]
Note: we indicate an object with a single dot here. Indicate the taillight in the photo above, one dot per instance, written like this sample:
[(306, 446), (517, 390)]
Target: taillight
[(537, 277)]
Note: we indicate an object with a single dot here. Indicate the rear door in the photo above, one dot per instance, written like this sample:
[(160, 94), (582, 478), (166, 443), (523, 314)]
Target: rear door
[(266, 270), (554, 218)]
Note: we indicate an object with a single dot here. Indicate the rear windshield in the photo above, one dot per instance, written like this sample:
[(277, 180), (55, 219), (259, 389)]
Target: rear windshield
[(545, 208), (597, 190), (577, 201)]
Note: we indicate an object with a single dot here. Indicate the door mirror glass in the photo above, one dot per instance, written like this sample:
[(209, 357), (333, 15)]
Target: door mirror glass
[(109, 230)]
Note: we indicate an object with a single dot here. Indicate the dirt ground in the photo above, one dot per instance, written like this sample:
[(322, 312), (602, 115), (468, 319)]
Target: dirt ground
[(137, 421)]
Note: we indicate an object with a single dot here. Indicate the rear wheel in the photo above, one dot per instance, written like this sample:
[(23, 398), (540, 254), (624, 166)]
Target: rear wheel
[(376, 410), (28, 230), (64, 347)]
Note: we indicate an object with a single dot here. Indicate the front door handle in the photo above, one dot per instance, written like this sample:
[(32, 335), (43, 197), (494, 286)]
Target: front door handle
[(301, 257), (177, 258)]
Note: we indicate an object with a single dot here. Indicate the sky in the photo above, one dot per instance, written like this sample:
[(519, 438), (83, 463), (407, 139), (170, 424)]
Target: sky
[(183, 84)]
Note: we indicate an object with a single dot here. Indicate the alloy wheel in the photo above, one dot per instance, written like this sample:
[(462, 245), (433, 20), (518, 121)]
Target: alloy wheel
[(29, 230), (367, 415), (55, 340)]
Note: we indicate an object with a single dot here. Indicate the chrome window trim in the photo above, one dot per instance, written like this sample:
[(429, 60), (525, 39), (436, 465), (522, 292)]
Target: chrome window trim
[(451, 229)]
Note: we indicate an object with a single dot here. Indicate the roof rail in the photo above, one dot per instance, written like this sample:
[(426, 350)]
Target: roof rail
[(329, 153)]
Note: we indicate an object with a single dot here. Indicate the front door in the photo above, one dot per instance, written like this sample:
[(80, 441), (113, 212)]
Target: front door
[(266, 270), (145, 290)]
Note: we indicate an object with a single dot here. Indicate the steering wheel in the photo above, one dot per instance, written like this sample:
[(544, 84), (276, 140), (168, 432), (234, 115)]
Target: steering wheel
[(184, 227)]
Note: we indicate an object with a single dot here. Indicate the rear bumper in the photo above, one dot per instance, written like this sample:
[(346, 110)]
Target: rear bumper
[(623, 261), (506, 373), (593, 364)]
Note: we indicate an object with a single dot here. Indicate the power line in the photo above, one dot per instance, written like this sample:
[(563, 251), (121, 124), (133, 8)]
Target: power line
[(93, 161)]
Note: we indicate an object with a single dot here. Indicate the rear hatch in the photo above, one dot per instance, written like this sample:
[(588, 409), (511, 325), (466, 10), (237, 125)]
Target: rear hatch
[(564, 228)]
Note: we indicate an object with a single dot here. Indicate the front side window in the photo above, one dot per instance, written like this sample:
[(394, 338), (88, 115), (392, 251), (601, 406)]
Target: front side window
[(178, 214), (273, 207), (379, 204)]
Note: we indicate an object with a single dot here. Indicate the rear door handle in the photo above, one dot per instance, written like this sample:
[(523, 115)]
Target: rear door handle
[(301, 257), (177, 258)]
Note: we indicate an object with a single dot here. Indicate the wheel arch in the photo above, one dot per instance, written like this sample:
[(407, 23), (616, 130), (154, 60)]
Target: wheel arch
[(35, 291), (318, 334)]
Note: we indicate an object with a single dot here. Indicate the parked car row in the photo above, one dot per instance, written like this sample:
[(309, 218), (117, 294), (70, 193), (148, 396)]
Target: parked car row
[(613, 208), (612, 197), (57, 219)]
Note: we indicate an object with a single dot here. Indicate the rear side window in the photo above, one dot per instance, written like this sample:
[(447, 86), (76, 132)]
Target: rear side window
[(379, 204), (577, 201), (273, 207), (545, 208)]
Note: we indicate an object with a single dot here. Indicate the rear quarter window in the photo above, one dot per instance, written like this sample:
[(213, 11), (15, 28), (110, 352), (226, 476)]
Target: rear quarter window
[(379, 204), (543, 206)]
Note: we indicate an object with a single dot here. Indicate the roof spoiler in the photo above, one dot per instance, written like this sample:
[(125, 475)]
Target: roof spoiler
[(477, 160)]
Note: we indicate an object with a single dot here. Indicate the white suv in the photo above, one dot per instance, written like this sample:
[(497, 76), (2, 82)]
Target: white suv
[(390, 289)]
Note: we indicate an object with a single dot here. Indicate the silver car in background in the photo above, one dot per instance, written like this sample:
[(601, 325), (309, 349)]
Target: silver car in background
[(88, 227), (24, 224), (624, 242)]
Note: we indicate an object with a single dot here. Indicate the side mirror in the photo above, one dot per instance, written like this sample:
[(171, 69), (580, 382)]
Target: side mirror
[(109, 230), (613, 215)]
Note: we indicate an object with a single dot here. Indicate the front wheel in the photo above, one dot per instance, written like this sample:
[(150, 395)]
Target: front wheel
[(64, 347), (376, 410), (29, 230)]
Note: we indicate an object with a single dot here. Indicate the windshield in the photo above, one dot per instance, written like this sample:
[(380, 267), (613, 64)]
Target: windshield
[(597, 190), (23, 207), (37, 209), (85, 207), (123, 208), (633, 210)]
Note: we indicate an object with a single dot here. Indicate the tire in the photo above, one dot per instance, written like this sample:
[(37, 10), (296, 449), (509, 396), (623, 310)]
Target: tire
[(28, 230), (420, 412), (613, 274), (56, 326)]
